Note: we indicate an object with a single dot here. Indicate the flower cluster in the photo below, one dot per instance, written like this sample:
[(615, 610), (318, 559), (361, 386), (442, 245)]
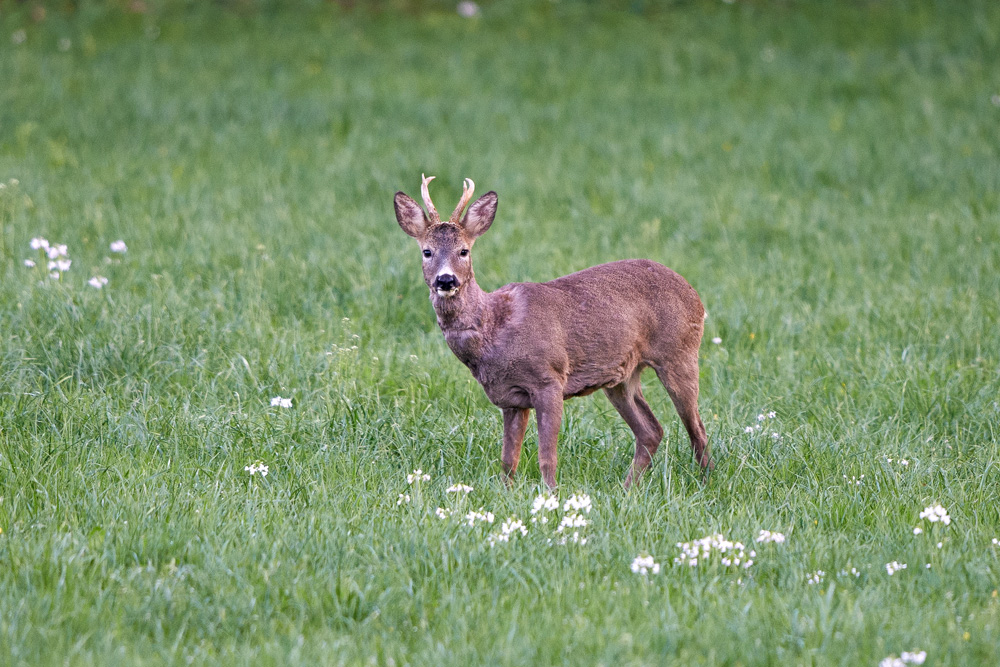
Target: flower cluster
[(256, 467), (905, 658), (852, 572), (935, 513), (512, 527), (402, 499), (816, 577), (645, 564), (55, 257), (760, 425), (541, 506), (417, 476), (477, 515), (894, 567), (854, 481), (279, 402), (768, 536), (459, 488), (731, 554)]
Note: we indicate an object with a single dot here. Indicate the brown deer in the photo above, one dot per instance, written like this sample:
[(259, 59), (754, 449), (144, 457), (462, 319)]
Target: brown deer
[(533, 345)]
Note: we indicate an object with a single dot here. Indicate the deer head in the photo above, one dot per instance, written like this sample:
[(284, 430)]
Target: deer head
[(446, 246)]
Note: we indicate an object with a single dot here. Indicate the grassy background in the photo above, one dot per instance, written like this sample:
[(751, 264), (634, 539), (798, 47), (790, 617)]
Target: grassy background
[(825, 175)]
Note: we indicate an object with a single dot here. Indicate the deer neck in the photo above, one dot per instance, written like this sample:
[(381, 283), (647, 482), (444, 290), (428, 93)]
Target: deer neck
[(464, 313)]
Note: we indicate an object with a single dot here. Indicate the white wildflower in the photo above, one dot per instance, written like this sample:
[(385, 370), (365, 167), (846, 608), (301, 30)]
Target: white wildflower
[(544, 503), (119, 246), (935, 513), (748, 429), (60, 265), (38, 243), (57, 250), (417, 476), (761, 417), (458, 488), (403, 498), (717, 340), (816, 577), (904, 462), (572, 521), (512, 526), (256, 467), (98, 282), (578, 502), (996, 542), (443, 512), (473, 516), (915, 658), (917, 530), (894, 567), (19, 36), (280, 402), (467, 9), (645, 564), (771, 415), (768, 536), (30, 263)]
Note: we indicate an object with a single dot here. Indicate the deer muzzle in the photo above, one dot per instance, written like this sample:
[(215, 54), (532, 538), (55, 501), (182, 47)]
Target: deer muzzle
[(446, 284)]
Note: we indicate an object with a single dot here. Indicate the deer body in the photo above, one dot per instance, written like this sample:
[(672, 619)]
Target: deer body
[(533, 345)]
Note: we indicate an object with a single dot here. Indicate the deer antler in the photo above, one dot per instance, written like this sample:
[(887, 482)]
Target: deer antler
[(467, 189), (431, 211)]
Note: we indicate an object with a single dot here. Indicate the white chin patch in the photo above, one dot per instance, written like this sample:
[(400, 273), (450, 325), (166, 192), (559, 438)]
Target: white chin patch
[(447, 293)]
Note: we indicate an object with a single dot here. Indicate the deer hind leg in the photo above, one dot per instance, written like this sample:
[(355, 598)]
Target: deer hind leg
[(628, 400), (680, 378), (548, 413)]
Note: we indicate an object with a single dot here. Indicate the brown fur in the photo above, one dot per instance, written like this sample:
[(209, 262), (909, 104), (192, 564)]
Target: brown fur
[(533, 345)]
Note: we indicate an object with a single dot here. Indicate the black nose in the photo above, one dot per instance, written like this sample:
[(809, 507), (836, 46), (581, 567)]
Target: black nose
[(446, 282)]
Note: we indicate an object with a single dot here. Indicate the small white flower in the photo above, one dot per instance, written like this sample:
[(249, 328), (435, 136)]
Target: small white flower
[(917, 530), (30, 263), (768, 536), (38, 243), (54, 275), (645, 564), (403, 498), (98, 282), (279, 402), (442, 512), (544, 503), (894, 567), (60, 265), (119, 246), (255, 468), (771, 415), (578, 502), (467, 9), (935, 513), (58, 250), (417, 476), (761, 417), (513, 525), (816, 577), (473, 516), (915, 658), (458, 488), (904, 462), (717, 340), (940, 544), (748, 429), (572, 521), (996, 542)]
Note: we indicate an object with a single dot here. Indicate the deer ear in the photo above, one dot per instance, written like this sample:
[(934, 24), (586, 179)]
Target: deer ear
[(480, 215), (409, 215)]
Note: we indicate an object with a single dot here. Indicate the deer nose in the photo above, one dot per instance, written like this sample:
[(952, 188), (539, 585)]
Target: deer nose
[(446, 282)]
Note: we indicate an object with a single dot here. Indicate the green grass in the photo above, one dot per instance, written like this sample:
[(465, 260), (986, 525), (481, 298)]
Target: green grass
[(825, 175)]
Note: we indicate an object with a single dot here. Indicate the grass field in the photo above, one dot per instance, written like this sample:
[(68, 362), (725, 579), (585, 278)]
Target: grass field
[(826, 175)]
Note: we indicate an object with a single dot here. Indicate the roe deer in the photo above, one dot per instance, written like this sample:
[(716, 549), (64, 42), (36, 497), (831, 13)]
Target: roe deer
[(533, 345)]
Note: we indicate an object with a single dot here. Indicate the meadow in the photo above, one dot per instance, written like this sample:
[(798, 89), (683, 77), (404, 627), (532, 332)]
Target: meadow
[(826, 175)]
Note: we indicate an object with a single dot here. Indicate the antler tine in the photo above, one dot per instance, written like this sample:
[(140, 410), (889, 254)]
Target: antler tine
[(468, 187), (431, 211)]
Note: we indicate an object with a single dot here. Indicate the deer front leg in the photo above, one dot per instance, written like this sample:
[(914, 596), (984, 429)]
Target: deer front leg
[(515, 423), (548, 413)]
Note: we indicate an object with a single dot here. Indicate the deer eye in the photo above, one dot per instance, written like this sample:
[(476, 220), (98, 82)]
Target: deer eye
[(427, 252), (464, 252)]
